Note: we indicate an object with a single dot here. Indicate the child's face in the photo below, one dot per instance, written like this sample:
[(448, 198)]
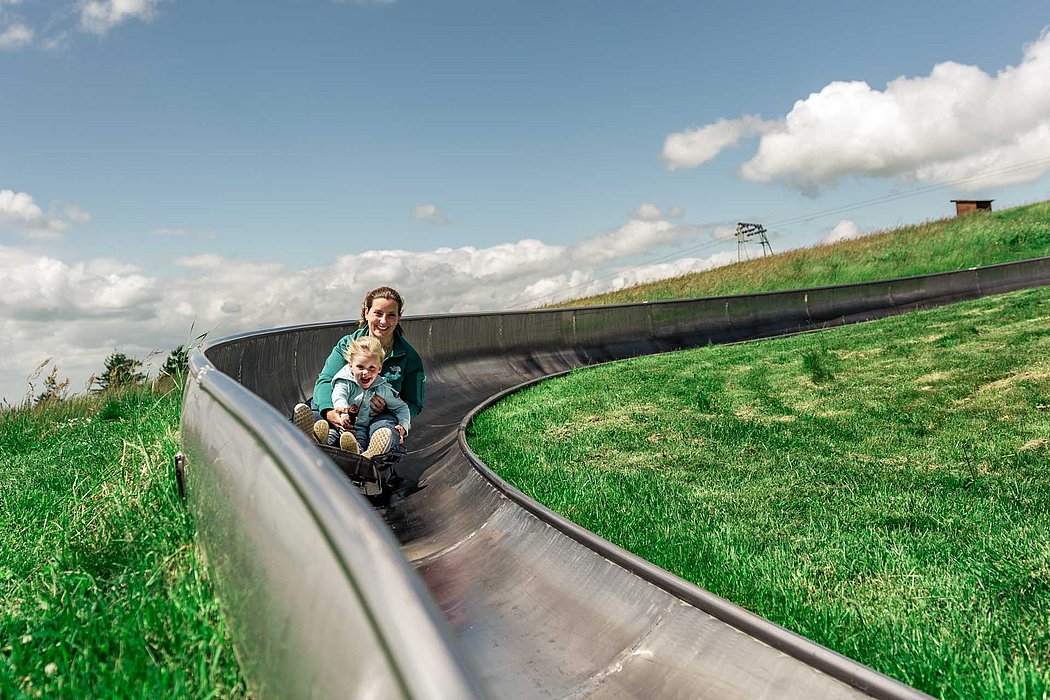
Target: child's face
[(365, 368)]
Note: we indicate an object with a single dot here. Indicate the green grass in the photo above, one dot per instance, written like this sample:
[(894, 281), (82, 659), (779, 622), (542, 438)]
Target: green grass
[(103, 594), (102, 589), (882, 489), (982, 238)]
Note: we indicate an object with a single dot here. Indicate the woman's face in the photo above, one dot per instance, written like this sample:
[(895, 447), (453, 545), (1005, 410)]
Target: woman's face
[(382, 318)]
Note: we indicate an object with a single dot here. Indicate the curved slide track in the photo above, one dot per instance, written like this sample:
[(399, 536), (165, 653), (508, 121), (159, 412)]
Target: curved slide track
[(462, 587)]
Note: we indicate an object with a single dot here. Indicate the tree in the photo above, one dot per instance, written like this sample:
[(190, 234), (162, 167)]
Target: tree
[(120, 371), (177, 363)]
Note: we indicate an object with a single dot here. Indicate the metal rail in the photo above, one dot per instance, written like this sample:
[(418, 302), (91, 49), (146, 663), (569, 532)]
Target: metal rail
[(470, 589)]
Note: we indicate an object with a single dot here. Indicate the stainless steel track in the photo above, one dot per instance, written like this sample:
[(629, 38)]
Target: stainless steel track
[(463, 587)]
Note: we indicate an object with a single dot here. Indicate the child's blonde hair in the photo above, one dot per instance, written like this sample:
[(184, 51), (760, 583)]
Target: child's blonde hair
[(365, 345)]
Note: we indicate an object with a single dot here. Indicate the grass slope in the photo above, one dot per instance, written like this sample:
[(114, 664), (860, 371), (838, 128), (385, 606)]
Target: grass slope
[(883, 489), (983, 238), (102, 590)]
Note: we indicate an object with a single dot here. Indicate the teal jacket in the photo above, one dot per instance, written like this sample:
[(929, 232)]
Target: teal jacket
[(402, 368)]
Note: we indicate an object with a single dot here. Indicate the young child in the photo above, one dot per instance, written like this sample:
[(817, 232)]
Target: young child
[(352, 390)]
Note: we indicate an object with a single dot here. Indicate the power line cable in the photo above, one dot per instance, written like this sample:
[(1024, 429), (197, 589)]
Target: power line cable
[(676, 254), (911, 193), (692, 250)]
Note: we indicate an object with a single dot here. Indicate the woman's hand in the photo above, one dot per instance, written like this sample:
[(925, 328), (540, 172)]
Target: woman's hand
[(338, 417), (378, 404), (401, 431)]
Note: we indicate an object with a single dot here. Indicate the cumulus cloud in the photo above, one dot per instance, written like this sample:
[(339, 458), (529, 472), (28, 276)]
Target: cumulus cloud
[(99, 16), (91, 16), (650, 212), (844, 230), (636, 236), (80, 312), (647, 212), (956, 125), (429, 213), (19, 207), (690, 148), (19, 212), (15, 36), (582, 283), (43, 288)]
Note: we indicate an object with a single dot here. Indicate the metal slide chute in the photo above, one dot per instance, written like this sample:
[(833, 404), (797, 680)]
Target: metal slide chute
[(462, 587)]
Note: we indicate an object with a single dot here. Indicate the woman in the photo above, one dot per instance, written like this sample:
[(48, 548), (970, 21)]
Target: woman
[(402, 368)]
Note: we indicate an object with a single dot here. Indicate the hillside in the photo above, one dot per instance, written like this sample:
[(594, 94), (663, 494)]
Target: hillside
[(982, 238), (882, 489)]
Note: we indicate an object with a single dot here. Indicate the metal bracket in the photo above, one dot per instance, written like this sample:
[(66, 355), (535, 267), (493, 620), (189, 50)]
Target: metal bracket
[(180, 475)]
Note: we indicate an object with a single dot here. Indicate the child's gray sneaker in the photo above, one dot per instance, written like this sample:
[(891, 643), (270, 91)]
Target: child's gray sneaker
[(380, 443), (303, 418), (348, 443), (320, 431)]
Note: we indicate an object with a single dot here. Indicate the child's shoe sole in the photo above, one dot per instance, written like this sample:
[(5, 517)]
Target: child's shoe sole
[(380, 443), (320, 431), (303, 418), (348, 443)]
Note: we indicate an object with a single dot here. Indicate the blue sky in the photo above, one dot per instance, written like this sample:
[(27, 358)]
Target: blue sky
[(237, 165)]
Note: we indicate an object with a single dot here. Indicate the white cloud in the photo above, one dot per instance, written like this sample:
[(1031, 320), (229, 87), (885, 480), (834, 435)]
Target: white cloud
[(582, 283), (956, 124), (99, 16), (55, 42), (19, 207), (92, 16), (75, 213), (724, 233), (844, 230), (688, 149), (1023, 160), (15, 36), (19, 212), (429, 213), (80, 312), (649, 273), (634, 237), (39, 288), (647, 212), (650, 212)]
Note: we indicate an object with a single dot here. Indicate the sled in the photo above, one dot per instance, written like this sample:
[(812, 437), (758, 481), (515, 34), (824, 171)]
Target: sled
[(370, 476)]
